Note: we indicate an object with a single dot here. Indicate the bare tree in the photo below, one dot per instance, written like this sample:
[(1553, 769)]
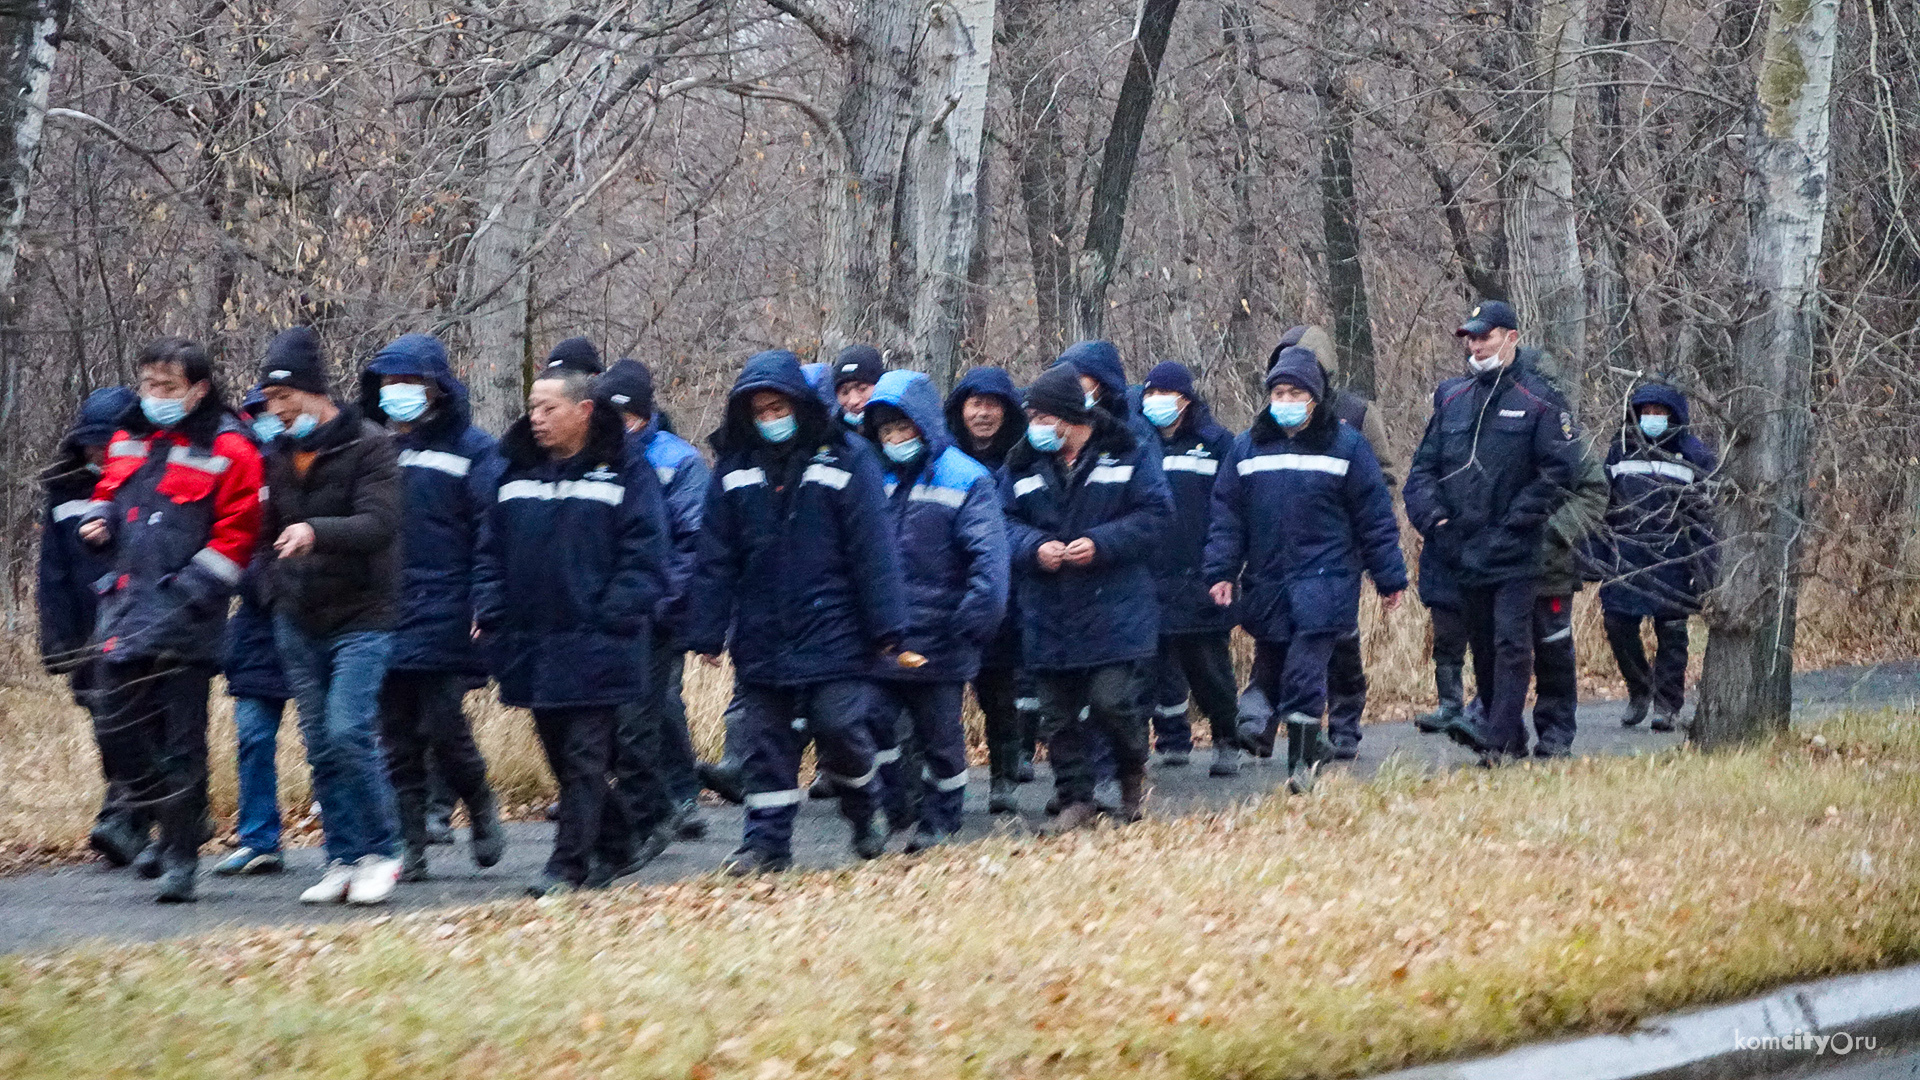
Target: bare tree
[(1549, 282), (1746, 689), (1108, 219), (1339, 207), (946, 161), (29, 40)]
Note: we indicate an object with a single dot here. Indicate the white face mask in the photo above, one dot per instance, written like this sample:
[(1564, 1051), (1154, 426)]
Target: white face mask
[(1481, 367)]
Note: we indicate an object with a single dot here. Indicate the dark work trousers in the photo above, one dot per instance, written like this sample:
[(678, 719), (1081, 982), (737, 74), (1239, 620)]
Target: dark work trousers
[(579, 745), (775, 723), (1450, 638), (1199, 666), (677, 758), (1110, 698), (1499, 622), (85, 682), (1556, 679), (151, 725), (1346, 691), (930, 712), (646, 757), (1665, 681), (998, 694), (421, 719), (1292, 675)]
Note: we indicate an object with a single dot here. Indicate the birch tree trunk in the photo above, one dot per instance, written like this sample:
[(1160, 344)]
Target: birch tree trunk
[(1746, 690), (30, 37), (875, 119), (1549, 283), (945, 173), (1108, 220), (499, 281)]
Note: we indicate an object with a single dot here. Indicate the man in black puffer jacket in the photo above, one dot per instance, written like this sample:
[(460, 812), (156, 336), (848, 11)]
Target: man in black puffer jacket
[(333, 522), (1195, 659), (569, 571)]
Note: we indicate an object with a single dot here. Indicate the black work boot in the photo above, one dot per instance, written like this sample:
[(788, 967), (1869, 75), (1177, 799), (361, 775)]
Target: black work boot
[(488, 843), (1636, 712), (724, 779), (147, 864), (177, 880), (1446, 682), (1133, 795), (870, 837), (439, 811), (116, 839), (1002, 797), (411, 808), (748, 861)]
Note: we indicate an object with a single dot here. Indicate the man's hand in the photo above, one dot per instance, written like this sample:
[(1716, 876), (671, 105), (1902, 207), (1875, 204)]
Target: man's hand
[(711, 659), (1080, 552), (1051, 555), (295, 539), (1222, 593), (1391, 601), (473, 634), (95, 533)]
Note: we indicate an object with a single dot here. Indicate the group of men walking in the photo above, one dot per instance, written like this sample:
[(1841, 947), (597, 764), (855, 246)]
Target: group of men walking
[(862, 549)]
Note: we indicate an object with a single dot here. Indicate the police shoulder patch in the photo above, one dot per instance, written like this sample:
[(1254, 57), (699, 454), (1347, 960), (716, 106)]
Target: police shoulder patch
[(1566, 425)]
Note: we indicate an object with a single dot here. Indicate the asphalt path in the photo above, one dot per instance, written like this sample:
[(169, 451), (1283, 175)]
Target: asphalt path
[(52, 909)]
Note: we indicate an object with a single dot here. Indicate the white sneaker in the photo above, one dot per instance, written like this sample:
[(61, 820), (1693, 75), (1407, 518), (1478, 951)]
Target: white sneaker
[(374, 877), (333, 885)]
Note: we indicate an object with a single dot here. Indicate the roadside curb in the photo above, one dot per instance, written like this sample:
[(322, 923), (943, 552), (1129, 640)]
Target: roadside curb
[(1700, 1044)]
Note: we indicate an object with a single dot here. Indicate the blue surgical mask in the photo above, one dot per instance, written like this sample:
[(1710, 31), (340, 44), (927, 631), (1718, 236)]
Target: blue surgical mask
[(302, 426), (1288, 414), (405, 402), (1044, 437), (1161, 410), (1093, 401), (853, 419), (777, 431), (1653, 425), (164, 411), (902, 452), (267, 427)]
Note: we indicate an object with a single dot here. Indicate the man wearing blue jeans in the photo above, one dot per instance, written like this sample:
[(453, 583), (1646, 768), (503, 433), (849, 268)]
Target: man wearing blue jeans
[(259, 689), (333, 521), (251, 665)]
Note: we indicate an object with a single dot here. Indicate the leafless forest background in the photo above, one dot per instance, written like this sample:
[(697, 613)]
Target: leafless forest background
[(689, 181)]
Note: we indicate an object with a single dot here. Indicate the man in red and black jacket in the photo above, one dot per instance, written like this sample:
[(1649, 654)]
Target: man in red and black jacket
[(177, 510)]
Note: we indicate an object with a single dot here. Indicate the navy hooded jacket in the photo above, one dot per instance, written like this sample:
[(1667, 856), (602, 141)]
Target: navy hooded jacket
[(448, 471), (1114, 494), (797, 573), (70, 569), (945, 510), (1656, 556), (1296, 519), (1101, 360), (995, 383), (569, 569), (1191, 459), (1499, 456)]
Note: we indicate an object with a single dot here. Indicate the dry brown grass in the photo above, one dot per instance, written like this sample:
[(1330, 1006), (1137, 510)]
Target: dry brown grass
[(1366, 926)]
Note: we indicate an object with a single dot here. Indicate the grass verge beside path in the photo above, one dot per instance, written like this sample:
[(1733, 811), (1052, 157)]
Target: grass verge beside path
[(1363, 927)]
